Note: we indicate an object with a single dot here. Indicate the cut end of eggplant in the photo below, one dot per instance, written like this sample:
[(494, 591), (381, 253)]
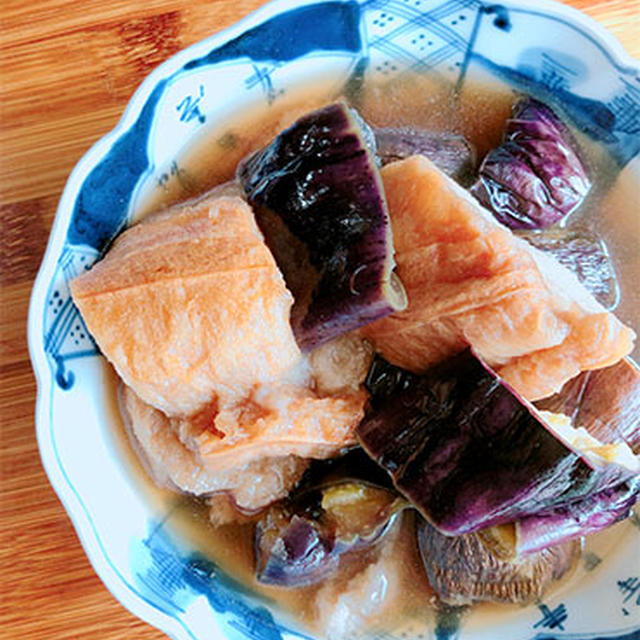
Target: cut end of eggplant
[(320, 180), (598, 453), (501, 541), (396, 293), (292, 551)]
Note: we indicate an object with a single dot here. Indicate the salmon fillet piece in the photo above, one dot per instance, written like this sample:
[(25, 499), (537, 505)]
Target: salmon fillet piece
[(173, 465), (279, 421), (470, 281), (190, 307), (193, 312), (255, 452)]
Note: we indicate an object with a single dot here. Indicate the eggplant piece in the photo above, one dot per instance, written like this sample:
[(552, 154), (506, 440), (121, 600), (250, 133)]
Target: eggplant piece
[(292, 551), (352, 466), (450, 152), (563, 523), (319, 201), (578, 519), (469, 454), (535, 178), (463, 569), (606, 402), (584, 253), (300, 541)]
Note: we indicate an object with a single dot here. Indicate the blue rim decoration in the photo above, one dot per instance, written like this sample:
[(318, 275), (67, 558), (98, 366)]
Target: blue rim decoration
[(102, 205)]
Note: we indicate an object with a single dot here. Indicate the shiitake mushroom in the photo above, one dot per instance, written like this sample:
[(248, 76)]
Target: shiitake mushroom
[(465, 569)]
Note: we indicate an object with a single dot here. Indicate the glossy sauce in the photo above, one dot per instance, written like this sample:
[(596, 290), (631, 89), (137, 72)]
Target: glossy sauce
[(478, 113)]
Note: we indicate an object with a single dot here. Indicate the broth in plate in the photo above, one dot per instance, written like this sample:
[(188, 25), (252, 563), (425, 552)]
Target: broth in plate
[(479, 114)]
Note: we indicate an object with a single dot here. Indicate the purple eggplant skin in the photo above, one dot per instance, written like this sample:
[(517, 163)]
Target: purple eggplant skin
[(300, 552), (450, 152), (463, 569), (467, 452), (584, 253), (535, 178), (566, 522), (299, 542), (606, 402), (319, 200)]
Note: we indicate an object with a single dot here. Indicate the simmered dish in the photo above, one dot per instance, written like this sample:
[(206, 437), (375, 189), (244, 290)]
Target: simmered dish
[(371, 352)]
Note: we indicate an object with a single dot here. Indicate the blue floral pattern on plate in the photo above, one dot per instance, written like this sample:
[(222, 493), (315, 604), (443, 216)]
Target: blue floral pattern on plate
[(364, 40)]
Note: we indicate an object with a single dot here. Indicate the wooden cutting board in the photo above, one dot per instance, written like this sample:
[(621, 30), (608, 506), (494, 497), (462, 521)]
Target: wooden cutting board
[(68, 68)]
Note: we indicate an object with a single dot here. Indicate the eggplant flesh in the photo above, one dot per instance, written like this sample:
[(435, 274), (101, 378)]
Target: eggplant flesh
[(585, 253), (450, 152), (470, 454), (300, 541), (318, 198), (606, 402), (463, 569), (535, 178)]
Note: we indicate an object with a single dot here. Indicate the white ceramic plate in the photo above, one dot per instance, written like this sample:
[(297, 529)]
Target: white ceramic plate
[(122, 522)]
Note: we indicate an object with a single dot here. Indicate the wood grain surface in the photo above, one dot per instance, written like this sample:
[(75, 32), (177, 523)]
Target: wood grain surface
[(67, 70)]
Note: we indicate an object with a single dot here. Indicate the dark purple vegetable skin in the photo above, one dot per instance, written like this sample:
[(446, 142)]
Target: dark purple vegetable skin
[(606, 403), (450, 152), (581, 518), (535, 178), (463, 569), (585, 254), (292, 551), (467, 452), (299, 542), (319, 200)]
